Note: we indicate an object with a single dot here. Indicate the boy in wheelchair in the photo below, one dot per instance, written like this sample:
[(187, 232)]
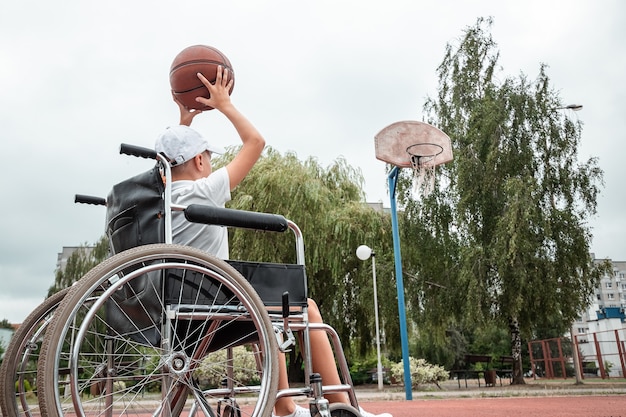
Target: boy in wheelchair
[(193, 181)]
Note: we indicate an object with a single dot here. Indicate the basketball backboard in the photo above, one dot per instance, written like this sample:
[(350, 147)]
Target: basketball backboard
[(397, 143)]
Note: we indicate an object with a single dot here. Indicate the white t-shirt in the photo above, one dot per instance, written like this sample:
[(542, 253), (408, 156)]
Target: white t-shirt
[(213, 190)]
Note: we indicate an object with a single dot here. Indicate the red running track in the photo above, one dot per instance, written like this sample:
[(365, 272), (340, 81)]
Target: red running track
[(566, 406)]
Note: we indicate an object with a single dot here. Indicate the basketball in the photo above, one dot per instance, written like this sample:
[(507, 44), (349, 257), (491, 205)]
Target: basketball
[(186, 85)]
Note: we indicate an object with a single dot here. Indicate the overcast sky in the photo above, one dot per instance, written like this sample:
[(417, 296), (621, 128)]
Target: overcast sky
[(319, 78)]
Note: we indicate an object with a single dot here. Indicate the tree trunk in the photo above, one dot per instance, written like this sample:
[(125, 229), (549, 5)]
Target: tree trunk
[(516, 352)]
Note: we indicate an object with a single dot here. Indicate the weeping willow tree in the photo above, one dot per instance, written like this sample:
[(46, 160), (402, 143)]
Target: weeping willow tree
[(328, 206), (507, 239)]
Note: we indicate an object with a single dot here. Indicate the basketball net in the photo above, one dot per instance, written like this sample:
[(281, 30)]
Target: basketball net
[(423, 174)]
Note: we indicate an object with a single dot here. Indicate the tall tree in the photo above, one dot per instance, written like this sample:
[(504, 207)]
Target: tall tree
[(510, 231)]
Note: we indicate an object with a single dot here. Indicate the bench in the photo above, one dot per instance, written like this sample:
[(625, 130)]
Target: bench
[(506, 368), (469, 373)]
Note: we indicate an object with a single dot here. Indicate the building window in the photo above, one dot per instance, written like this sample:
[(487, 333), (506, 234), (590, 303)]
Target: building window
[(610, 296), (609, 285), (599, 297)]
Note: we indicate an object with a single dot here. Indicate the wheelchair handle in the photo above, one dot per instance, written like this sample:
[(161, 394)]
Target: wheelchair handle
[(139, 151), (88, 199), (199, 213)]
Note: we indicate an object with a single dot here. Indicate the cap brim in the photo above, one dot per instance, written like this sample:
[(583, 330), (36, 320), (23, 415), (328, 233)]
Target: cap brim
[(216, 149)]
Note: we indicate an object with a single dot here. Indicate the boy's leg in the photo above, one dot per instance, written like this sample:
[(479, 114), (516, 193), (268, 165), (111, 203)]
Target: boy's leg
[(322, 356), (284, 406)]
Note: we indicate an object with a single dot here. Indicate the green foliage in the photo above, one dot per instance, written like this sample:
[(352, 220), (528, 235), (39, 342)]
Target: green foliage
[(360, 369), (491, 340), (440, 348), (212, 369), (422, 372), (5, 324), (27, 386)]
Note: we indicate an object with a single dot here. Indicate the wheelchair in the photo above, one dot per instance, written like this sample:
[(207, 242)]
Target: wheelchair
[(168, 330)]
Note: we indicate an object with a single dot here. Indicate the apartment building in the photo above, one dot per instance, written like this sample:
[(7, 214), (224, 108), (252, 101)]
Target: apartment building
[(608, 300), (66, 252), (601, 329)]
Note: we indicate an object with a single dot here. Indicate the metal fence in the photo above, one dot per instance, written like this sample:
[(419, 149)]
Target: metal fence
[(600, 354), (551, 358)]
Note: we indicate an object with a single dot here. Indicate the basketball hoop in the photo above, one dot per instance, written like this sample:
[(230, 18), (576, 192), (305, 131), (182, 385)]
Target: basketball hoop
[(415, 145), (420, 146), (422, 157)]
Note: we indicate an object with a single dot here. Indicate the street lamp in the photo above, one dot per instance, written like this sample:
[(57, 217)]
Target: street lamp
[(574, 107), (363, 252)]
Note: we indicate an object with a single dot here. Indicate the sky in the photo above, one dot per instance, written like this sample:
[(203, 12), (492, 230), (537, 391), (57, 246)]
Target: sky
[(318, 78)]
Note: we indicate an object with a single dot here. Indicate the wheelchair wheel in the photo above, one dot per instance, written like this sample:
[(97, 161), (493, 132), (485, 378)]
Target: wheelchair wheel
[(343, 410), (161, 330), (18, 391)]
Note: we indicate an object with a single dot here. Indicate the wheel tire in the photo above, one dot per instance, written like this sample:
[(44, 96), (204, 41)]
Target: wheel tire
[(343, 410), (21, 358), (112, 369)]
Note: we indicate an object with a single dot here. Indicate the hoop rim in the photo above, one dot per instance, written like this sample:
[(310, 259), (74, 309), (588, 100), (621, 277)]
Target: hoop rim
[(432, 155)]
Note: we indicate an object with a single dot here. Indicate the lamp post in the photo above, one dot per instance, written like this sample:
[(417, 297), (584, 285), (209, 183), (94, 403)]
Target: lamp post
[(575, 358), (363, 252)]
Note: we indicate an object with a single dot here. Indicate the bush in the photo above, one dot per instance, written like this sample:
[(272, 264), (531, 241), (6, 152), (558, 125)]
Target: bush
[(422, 372), (360, 370), (359, 377), (27, 387), (213, 368)]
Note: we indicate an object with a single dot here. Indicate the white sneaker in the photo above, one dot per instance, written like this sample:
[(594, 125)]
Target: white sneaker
[(299, 412), (366, 414)]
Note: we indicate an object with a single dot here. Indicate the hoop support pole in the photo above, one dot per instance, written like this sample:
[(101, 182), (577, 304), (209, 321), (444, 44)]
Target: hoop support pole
[(392, 180)]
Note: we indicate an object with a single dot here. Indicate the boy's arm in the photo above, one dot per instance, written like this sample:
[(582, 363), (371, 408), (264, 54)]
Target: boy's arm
[(253, 142)]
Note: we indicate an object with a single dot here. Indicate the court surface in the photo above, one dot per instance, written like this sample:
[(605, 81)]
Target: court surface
[(554, 406)]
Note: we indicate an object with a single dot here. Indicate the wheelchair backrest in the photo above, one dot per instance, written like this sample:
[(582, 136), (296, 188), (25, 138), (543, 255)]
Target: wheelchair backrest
[(135, 212)]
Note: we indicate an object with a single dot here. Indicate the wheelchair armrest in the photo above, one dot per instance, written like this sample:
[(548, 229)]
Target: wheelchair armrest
[(198, 213)]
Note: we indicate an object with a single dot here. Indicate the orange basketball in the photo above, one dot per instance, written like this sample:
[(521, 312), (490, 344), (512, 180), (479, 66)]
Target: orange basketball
[(186, 85)]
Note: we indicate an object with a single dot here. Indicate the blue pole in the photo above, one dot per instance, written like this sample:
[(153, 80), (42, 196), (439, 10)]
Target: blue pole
[(408, 388)]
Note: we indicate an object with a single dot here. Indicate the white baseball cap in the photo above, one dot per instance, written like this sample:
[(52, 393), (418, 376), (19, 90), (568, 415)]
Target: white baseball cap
[(181, 143)]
